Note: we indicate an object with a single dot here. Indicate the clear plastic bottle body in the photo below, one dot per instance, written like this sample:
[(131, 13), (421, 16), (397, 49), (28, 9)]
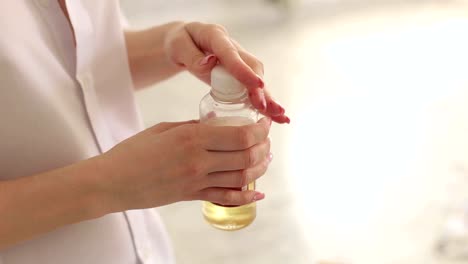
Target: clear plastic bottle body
[(240, 108), (236, 112)]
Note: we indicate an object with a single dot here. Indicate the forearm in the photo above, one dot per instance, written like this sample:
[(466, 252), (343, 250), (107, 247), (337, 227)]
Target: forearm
[(147, 57), (33, 205)]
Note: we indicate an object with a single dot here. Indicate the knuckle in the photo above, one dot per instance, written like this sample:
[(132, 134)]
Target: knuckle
[(160, 126), (217, 28), (266, 148), (193, 24), (243, 178), (260, 66), (244, 137), (232, 53), (263, 169), (249, 158)]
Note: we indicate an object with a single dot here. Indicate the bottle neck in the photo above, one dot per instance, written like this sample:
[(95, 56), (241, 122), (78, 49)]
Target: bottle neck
[(229, 99)]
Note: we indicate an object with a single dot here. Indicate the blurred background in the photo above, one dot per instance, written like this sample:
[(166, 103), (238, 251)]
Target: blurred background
[(373, 168)]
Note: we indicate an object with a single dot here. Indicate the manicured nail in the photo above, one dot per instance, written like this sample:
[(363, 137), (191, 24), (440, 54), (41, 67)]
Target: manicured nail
[(261, 84), (207, 59), (258, 196), (275, 109), (270, 157)]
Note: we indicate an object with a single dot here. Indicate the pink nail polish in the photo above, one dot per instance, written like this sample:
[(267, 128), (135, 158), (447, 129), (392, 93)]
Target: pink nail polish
[(258, 196), (207, 59), (275, 109), (270, 157)]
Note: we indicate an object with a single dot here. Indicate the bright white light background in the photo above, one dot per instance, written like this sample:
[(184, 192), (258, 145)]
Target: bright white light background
[(380, 132)]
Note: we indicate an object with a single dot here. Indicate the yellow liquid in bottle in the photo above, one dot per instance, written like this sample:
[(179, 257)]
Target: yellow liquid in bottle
[(230, 218)]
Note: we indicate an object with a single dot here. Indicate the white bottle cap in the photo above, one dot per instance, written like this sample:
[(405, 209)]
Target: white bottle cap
[(224, 85)]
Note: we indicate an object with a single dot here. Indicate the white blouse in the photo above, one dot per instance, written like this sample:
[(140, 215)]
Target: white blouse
[(60, 104)]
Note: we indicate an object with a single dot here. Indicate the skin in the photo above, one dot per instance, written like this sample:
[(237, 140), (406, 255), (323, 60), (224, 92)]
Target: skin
[(167, 163), (197, 48)]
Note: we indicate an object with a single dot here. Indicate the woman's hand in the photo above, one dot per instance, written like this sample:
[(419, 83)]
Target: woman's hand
[(173, 162), (198, 47)]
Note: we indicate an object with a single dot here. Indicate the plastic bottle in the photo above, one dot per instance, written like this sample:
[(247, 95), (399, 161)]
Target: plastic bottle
[(228, 104)]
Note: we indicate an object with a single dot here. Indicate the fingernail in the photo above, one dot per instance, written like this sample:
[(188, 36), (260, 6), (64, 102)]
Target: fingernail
[(288, 120), (270, 157), (207, 59), (275, 109), (258, 196), (261, 84)]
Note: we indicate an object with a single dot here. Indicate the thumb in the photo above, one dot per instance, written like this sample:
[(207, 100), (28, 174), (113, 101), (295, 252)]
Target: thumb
[(202, 66), (164, 126)]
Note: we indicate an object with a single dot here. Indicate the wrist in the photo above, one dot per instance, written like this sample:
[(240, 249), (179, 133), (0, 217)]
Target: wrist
[(97, 195), (149, 54), (172, 30)]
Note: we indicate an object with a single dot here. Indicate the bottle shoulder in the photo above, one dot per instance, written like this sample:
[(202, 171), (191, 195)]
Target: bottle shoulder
[(210, 107)]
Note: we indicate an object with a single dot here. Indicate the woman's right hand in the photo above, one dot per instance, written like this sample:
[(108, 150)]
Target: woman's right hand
[(173, 162)]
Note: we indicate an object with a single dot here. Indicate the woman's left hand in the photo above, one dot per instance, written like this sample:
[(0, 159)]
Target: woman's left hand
[(198, 47)]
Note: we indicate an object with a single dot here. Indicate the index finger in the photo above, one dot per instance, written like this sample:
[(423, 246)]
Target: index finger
[(214, 38), (234, 138), (230, 58)]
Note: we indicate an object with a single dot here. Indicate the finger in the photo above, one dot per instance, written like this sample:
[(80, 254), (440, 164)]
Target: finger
[(250, 59), (240, 178), (237, 160), (230, 197), (214, 38), (260, 98), (233, 138), (164, 126), (281, 119), (255, 94), (273, 107), (186, 53), (257, 98)]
